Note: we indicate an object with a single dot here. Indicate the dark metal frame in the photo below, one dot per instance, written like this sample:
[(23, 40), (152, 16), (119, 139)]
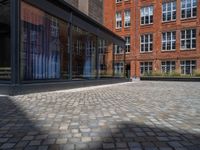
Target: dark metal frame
[(68, 14)]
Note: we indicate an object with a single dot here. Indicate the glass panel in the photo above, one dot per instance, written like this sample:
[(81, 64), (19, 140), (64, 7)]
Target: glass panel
[(5, 55), (106, 60), (84, 54), (44, 51)]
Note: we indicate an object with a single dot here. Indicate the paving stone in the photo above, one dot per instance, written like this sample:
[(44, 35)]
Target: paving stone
[(138, 115), (7, 146), (61, 141), (3, 140), (108, 146), (35, 143)]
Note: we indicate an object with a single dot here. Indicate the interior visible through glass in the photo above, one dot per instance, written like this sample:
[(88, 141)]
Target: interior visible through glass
[(5, 55)]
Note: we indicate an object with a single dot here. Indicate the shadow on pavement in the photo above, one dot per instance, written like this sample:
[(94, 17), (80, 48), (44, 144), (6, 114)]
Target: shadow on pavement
[(135, 136), (20, 131), (16, 128)]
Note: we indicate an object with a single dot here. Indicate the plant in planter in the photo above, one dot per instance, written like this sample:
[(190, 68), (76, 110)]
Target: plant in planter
[(174, 74), (157, 73)]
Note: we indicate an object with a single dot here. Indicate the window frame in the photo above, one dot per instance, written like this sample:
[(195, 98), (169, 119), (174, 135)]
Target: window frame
[(127, 19), (191, 9), (118, 50), (118, 1), (166, 41), (165, 66), (171, 11), (127, 44), (119, 68), (144, 43), (118, 20), (146, 14), (185, 40), (191, 65), (149, 67)]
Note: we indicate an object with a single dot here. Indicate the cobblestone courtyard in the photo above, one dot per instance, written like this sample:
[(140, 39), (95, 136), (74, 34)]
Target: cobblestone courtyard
[(136, 116)]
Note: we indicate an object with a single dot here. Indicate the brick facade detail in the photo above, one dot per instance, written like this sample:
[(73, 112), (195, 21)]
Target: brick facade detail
[(156, 29)]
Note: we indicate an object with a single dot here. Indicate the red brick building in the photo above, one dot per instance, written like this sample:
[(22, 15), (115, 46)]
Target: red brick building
[(164, 34)]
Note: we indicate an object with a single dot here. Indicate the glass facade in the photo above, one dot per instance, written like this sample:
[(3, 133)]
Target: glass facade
[(106, 58), (5, 53), (44, 47), (84, 50), (52, 48)]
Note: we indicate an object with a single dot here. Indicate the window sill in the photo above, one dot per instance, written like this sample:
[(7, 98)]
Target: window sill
[(118, 3), (188, 19), (169, 22), (146, 25), (126, 28), (146, 52), (118, 29), (185, 50), (127, 2), (119, 53), (164, 51)]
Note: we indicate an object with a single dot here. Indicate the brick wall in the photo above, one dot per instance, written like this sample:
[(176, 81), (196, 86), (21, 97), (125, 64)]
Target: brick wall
[(156, 56)]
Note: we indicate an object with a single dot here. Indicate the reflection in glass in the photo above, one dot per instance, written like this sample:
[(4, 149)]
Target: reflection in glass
[(83, 54), (105, 58), (5, 55), (44, 45)]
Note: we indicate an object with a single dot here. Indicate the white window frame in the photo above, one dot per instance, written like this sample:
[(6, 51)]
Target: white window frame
[(184, 7), (164, 66), (148, 65), (144, 43), (118, 49), (185, 39), (191, 66), (119, 68), (146, 12), (127, 44), (127, 18), (171, 39), (118, 1), (102, 46), (172, 6), (118, 19)]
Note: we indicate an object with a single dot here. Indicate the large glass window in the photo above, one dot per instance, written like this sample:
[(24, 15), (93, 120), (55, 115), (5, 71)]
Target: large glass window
[(168, 66), (188, 39), (44, 47), (119, 69), (118, 49), (84, 54), (188, 8), (146, 15), (146, 43), (169, 41), (128, 44), (146, 68), (188, 66), (169, 11), (118, 20), (127, 18), (5, 55), (105, 58)]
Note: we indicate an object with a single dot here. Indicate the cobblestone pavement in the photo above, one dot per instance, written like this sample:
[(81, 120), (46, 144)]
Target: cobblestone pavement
[(136, 116)]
